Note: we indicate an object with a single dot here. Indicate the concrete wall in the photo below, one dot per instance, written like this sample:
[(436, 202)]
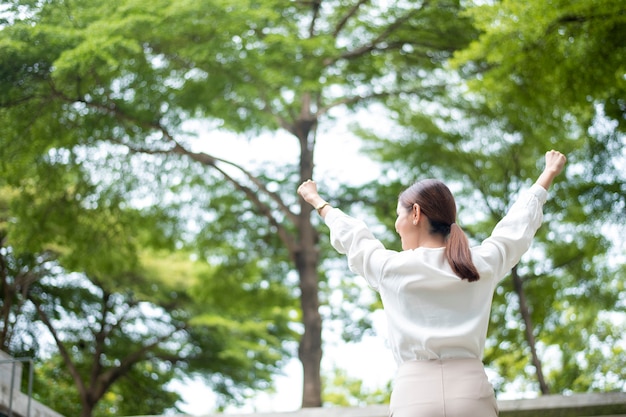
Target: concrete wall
[(579, 405)]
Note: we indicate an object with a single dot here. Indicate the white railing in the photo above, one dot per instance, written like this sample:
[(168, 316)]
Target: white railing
[(14, 403)]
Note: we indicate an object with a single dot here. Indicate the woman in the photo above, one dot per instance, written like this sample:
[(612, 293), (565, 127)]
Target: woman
[(437, 291)]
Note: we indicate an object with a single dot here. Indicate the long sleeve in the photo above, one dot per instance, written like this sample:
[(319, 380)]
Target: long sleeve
[(513, 235), (366, 255)]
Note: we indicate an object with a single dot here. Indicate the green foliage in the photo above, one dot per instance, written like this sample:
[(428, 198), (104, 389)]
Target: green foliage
[(556, 58), (344, 391), (532, 64), (114, 341), (98, 102), (62, 396), (134, 395), (531, 90), (569, 276)]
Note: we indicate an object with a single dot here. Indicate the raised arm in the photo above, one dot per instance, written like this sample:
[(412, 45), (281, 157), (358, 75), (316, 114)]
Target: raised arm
[(555, 161), (308, 191)]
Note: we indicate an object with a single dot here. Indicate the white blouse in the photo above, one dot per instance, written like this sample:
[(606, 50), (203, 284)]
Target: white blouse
[(432, 313)]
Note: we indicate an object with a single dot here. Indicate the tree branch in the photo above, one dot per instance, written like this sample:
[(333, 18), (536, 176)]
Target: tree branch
[(344, 20), (80, 384), (374, 44), (316, 4), (211, 161), (108, 377), (364, 98), (573, 18)]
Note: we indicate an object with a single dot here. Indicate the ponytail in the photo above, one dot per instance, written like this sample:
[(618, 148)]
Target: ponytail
[(458, 253), (437, 204)]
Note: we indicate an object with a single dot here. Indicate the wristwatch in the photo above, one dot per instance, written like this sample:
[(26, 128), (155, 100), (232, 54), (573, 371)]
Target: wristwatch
[(320, 206)]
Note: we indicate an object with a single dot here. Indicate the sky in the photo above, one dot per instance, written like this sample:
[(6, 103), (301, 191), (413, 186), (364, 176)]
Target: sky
[(337, 158)]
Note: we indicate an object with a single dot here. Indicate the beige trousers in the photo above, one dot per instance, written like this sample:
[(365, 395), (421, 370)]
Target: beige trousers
[(442, 388)]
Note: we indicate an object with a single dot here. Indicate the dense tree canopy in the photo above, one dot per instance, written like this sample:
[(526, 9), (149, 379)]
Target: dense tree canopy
[(544, 64), (147, 317), (88, 81), (532, 88), (562, 81)]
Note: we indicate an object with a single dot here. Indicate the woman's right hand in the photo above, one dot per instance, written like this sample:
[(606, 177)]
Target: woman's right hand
[(555, 161), (308, 191)]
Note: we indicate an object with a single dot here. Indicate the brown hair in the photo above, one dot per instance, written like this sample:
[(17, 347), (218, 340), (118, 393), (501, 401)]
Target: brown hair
[(437, 204)]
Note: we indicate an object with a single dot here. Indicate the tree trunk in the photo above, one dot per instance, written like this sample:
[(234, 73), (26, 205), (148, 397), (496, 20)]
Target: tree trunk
[(307, 260), (87, 410), (530, 337), (310, 349)]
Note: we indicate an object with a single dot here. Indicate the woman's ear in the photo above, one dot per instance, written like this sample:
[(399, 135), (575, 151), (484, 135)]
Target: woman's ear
[(416, 213)]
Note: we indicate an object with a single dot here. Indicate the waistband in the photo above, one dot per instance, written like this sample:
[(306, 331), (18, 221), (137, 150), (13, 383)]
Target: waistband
[(431, 363)]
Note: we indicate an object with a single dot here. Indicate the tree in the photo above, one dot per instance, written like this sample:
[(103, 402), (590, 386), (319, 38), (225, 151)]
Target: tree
[(567, 290), (131, 74), (545, 70), (140, 316), (529, 91), (139, 393)]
